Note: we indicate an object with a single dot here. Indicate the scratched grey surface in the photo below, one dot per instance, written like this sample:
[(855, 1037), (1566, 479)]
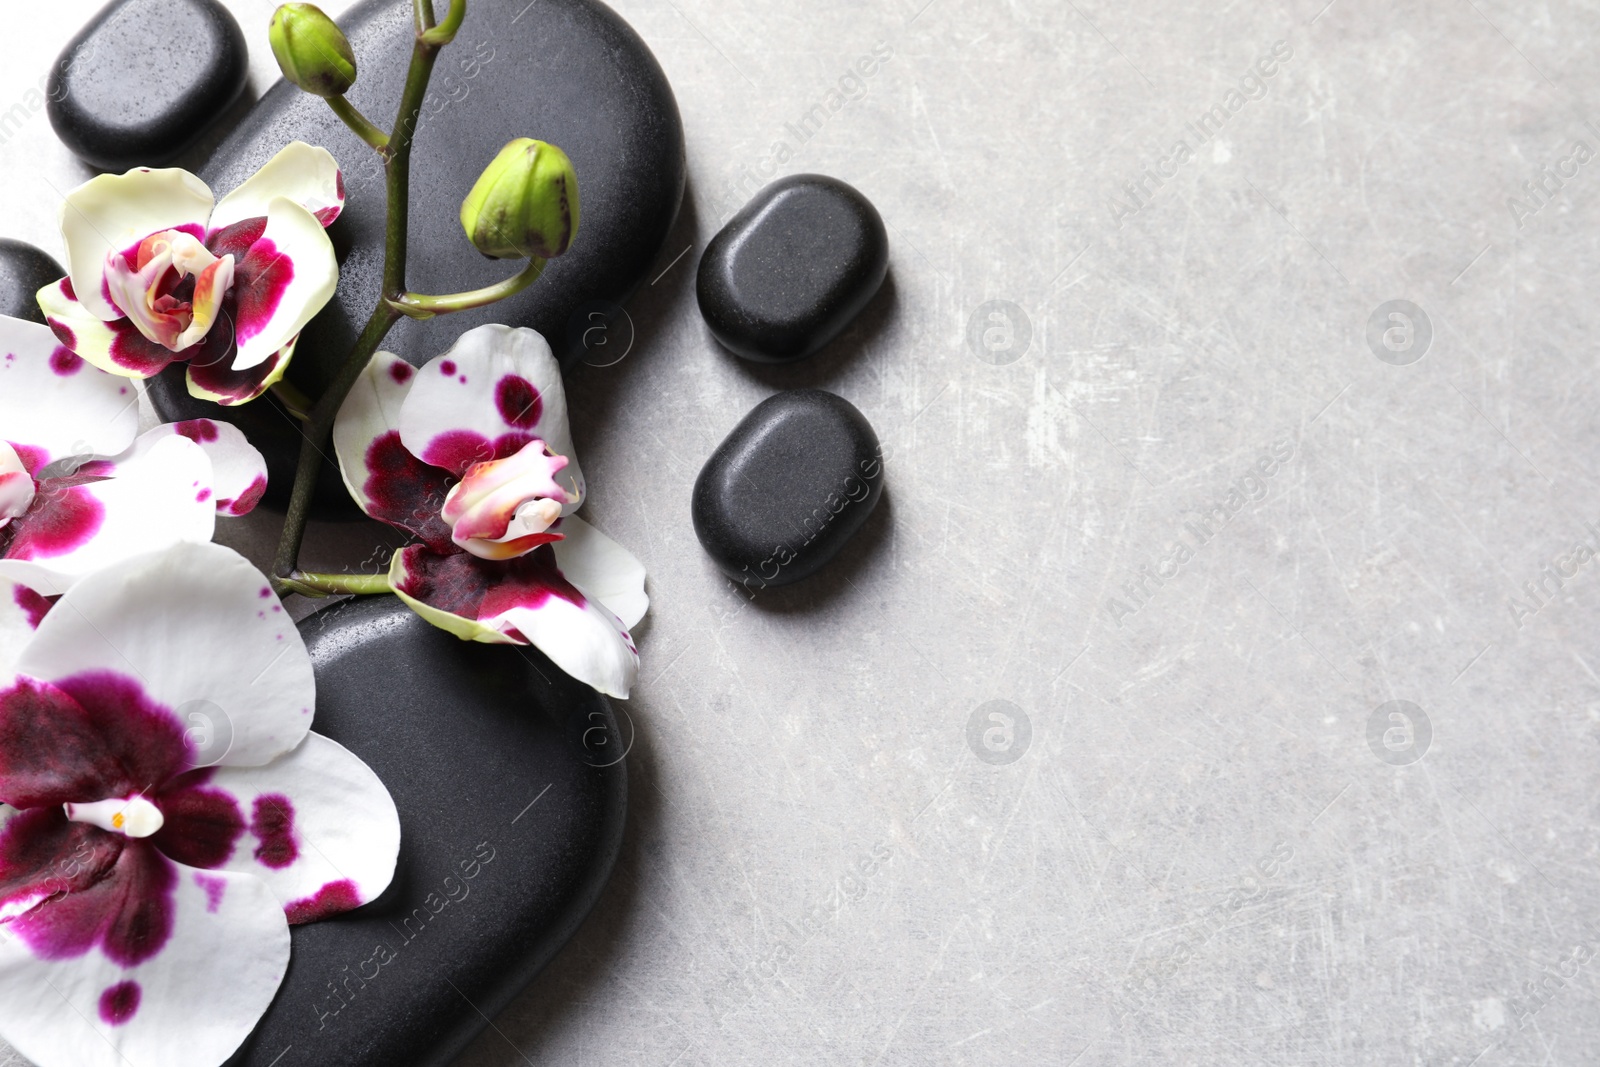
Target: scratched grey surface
[(1195, 835)]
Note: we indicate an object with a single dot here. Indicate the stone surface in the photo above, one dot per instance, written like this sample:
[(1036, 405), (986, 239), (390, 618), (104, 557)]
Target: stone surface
[(24, 270), (496, 760), (792, 268), (565, 71), (787, 488), (144, 79)]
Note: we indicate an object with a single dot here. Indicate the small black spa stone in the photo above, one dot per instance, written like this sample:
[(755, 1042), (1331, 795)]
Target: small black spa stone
[(792, 268), (24, 270), (787, 488), (570, 72), (144, 79), (512, 801)]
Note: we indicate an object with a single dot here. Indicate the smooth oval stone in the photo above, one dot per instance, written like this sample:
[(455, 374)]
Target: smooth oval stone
[(570, 72), (512, 799), (787, 488), (144, 79), (24, 270), (792, 268)]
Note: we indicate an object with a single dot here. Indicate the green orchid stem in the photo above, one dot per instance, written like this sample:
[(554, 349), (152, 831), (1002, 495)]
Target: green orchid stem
[(359, 123), (446, 31), (307, 584), (315, 435), (417, 306)]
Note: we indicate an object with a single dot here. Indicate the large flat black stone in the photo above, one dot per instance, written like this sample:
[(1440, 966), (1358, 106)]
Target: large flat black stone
[(466, 737), (570, 72), (144, 79)]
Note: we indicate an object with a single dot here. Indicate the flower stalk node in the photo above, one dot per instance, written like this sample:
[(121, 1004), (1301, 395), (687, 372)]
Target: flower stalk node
[(445, 32)]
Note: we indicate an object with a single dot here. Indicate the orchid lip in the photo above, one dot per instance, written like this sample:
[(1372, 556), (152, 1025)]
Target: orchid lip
[(133, 817), (503, 508), (149, 289)]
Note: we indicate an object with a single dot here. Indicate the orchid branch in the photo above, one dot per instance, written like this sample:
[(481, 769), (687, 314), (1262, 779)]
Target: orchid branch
[(363, 126), (322, 585), (524, 206), (418, 306), (397, 171)]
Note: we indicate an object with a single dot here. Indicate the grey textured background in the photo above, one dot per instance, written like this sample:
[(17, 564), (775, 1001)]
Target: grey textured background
[(1207, 846)]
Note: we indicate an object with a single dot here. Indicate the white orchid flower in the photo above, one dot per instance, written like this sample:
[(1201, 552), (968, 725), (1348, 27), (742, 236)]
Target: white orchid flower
[(472, 454), (149, 869), (81, 488), (157, 272)]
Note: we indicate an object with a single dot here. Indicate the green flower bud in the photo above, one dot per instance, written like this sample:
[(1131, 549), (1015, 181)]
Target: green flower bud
[(525, 204), (311, 51)]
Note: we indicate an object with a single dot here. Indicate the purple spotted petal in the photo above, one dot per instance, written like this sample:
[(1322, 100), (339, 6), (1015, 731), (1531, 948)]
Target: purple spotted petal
[(53, 405), (287, 275), (201, 630), (238, 471), (405, 492), (88, 737), (116, 346), (62, 519), (495, 390), (202, 824), (383, 477), (153, 495), (145, 961), (126, 912), (43, 855), (526, 600), (22, 608), (218, 381), (316, 825)]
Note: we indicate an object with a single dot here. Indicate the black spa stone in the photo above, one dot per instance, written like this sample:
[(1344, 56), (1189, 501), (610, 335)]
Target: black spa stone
[(787, 488), (512, 801), (570, 72), (144, 79), (24, 270), (792, 268)]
